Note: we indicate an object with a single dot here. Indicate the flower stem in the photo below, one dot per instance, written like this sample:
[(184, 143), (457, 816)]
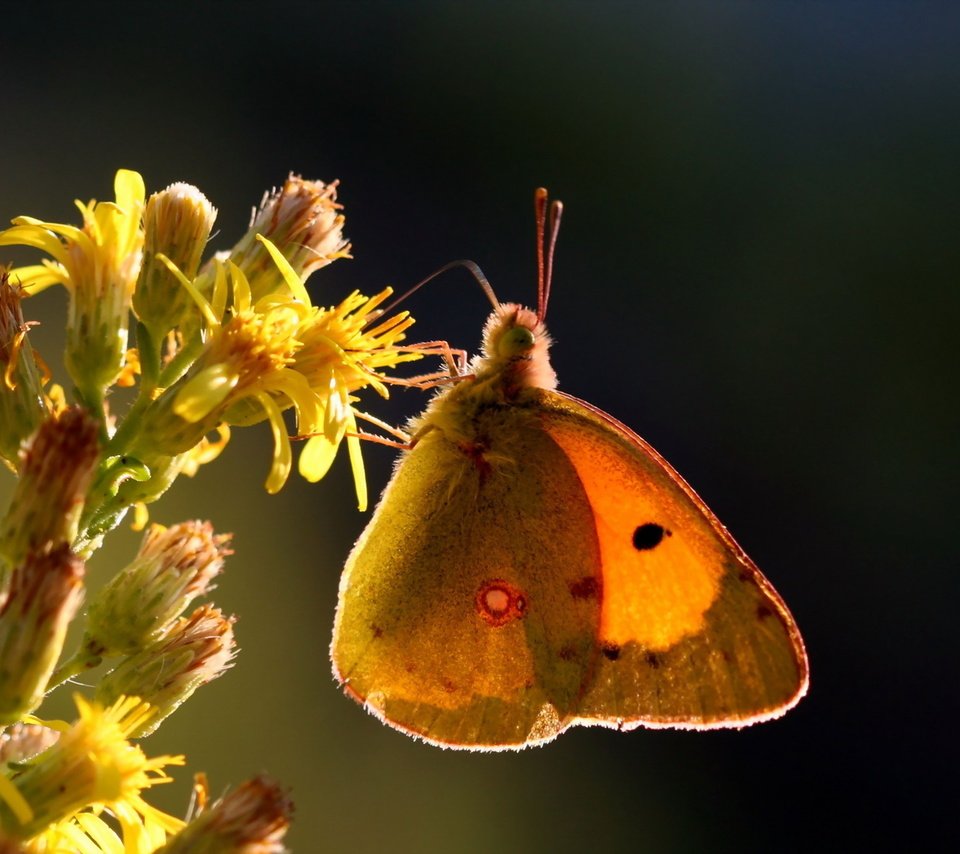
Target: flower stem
[(83, 659)]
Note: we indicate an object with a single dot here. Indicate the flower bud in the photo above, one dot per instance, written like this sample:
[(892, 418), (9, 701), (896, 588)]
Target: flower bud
[(45, 594), (21, 742), (196, 650), (177, 224), (56, 471), (173, 567), (254, 817), (303, 220)]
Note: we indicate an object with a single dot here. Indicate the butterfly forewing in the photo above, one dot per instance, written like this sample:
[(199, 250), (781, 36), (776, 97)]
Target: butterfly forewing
[(691, 634)]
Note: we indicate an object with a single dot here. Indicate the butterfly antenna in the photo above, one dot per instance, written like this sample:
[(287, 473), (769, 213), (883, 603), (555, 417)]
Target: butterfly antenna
[(471, 266), (548, 226)]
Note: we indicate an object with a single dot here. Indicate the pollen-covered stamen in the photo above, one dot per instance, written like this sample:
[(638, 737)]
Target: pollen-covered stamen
[(338, 346), (499, 602), (242, 356)]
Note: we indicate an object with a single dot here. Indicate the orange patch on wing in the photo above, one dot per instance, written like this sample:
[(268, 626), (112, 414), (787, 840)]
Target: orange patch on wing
[(661, 560)]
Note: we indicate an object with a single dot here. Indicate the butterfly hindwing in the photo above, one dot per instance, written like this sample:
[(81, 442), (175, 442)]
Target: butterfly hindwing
[(467, 614)]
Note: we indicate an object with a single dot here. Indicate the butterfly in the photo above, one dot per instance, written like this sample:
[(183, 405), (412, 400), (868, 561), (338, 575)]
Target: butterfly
[(534, 564)]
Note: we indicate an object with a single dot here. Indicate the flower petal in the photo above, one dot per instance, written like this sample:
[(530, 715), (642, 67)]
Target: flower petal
[(356, 463), (282, 454), (316, 458), (204, 393), (289, 274)]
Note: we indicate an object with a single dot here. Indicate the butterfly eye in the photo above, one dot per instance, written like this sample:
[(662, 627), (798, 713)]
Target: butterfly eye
[(515, 341)]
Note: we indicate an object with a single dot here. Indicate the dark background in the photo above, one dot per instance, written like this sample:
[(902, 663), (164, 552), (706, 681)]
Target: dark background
[(757, 271)]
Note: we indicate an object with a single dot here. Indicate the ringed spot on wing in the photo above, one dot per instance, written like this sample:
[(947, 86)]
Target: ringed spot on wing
[(498, 602)]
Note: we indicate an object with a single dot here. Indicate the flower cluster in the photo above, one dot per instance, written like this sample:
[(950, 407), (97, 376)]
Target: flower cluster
[(201, 347)]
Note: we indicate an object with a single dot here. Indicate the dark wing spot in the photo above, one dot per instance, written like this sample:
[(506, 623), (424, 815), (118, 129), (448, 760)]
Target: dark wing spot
[(653, 660), (611, 651), (763, 612), (377, 631), (745, 575), (649, 535), (567, 653), (448, 685), (586, 588)]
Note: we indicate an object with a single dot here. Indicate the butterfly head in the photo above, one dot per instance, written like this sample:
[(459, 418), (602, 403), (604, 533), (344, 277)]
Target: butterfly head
[(516, 344)]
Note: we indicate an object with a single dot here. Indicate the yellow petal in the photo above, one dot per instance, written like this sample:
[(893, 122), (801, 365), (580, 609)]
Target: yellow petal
[(242, 296), (316, 458), (202, 303), (129, 189), (218, 300), (282, 455), (11, 796), (306, 401), (204, 393), (35, 236), (39, 277), (289, 274), (356, 463)]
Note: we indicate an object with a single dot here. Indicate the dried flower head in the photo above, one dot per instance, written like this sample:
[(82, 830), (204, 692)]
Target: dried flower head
[(56, 471), (302, 219)]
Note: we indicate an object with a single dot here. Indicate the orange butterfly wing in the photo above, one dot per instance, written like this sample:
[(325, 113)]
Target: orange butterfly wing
[(691, 633)]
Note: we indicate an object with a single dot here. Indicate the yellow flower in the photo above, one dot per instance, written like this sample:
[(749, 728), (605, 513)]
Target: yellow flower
[(342, 354), (92, 767), (245, 356), (263, 357), (87, 833), (98, 264)]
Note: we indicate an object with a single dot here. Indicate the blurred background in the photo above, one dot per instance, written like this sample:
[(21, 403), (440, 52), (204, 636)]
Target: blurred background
[(757, 272)]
